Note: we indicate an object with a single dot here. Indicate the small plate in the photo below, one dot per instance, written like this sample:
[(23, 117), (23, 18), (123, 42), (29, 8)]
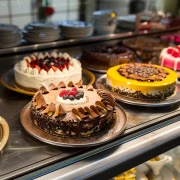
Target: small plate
[(107, 135), (4, 133), (175, 98), (8, 81)]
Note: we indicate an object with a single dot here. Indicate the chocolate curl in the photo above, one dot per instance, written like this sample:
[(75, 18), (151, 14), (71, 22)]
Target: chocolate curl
[(46, 110), (89, 87), (104, 94), (61, 110), (43, 90), (70, 84), (91, 113), (79, 115), (108, 102), (39, 100), (61, 85), (52, 87), (99, 103), (95, 109), (79, 84), (52, 107), (81, 110)]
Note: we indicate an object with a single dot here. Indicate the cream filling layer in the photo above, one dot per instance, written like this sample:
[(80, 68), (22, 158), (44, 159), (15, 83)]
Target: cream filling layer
[(68, 101)]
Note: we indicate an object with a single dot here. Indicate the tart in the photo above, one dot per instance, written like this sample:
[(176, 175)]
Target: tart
[(70, 111), (39, 70), (142, 81)]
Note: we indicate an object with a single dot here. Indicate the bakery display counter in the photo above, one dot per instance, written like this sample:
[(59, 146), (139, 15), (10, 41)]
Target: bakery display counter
[(149, 132), (25, 47)]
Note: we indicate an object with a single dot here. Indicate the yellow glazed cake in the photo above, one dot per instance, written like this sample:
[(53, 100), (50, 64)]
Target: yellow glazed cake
[(141, 81)]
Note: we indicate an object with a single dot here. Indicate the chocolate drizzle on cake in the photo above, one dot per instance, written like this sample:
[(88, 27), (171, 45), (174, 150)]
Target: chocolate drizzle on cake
[(143, 72), (82, 120)]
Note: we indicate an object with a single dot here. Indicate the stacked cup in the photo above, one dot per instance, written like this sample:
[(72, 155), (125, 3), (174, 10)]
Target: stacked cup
[(105, 21)]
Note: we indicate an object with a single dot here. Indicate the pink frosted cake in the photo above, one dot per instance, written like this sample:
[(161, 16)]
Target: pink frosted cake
[(170, 57)]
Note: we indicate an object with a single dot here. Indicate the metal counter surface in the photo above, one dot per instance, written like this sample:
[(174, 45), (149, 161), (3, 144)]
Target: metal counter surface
[(99, 166), (24, 154)]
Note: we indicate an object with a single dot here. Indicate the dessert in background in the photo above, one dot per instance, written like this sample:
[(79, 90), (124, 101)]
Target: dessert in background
[(170, 57), (147, 49), (141, 81), (42, 69), (174, 38), (104, 57), (72, 111), (127, 175), (10, 36)]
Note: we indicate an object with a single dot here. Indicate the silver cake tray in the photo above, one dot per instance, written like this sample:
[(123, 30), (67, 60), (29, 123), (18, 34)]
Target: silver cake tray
[(107, 135), (175, 98)]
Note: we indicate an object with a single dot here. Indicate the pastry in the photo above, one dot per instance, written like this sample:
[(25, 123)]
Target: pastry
[(170, 57), (104, 57), (35, 71), (141, 81), (70, 111)]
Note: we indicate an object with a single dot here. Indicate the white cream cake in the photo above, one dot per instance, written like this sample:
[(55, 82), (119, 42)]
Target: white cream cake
[(41, 70)]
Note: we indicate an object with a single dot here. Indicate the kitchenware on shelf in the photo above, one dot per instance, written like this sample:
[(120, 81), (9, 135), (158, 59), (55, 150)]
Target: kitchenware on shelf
[(75, 29), (105, 21), (10, 36)]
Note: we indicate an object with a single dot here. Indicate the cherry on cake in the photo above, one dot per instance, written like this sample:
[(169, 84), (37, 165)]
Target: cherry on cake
[(35, 71), (142, 81), (72, 111), (104, 57), (170, 57)]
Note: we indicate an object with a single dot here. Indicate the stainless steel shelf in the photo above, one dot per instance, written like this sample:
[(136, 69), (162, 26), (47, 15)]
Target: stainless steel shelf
[(25, 47)]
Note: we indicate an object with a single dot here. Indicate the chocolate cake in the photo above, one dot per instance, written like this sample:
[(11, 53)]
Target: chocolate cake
[(104, 57), (147, 49), (70, 111)]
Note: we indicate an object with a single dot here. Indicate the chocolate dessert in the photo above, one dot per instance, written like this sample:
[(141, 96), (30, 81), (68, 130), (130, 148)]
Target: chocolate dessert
[(103, 57), (70, 111)]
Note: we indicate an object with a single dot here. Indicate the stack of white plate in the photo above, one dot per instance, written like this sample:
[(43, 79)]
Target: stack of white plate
[(10, 36), (75, 29), (38, 32)]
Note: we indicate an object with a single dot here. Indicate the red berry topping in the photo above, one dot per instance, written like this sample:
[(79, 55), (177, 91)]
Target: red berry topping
[(170, 50), (178, 48), (74, 89), (175, 54), (62, 93), (73, 93), (48, 62), (37, 67)]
